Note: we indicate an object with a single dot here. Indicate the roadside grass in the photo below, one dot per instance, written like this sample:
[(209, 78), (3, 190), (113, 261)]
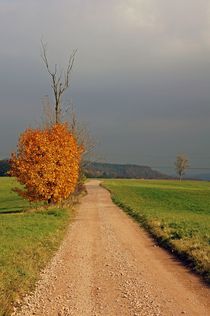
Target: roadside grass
[(9, 200), (28, 239), (176, 213)]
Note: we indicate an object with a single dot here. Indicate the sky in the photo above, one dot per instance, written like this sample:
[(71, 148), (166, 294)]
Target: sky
[(140, 82)]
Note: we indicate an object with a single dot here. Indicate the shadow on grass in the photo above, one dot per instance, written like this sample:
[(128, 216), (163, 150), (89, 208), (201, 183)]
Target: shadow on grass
[(12, 212)]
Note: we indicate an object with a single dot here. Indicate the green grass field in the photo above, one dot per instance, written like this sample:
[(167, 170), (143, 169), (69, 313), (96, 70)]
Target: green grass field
[(28, 239), (176, 213)]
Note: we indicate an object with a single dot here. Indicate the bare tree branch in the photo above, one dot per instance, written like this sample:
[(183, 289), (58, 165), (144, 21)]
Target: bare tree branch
[(60, 81)]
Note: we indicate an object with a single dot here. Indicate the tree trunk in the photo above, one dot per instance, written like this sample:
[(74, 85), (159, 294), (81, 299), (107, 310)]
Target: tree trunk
[(57, 112), (49, 201)]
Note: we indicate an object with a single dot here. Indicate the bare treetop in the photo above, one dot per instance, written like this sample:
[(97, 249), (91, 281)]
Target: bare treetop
[(60, 80)]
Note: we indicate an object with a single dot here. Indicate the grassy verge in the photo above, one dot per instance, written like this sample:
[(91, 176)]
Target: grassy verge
[(27, 242), (176, 213)]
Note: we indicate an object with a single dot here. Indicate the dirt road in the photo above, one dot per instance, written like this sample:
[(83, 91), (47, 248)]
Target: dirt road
[(108, 266)]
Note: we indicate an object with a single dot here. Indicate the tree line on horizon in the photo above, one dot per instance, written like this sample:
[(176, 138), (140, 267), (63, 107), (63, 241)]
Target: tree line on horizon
[(93, 169)]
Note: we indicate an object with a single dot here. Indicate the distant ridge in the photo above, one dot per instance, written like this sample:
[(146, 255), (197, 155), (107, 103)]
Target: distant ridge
[(125, 171), (108, 170)]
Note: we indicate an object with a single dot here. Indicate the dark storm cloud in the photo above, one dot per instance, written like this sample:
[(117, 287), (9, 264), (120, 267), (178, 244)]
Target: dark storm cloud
[(141, 78)]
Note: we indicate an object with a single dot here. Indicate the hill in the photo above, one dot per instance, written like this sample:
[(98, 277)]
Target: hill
[(125, 171), (4, 167), (108, 170)]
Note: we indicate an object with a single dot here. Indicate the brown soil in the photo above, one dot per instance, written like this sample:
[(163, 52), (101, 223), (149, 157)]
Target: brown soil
[(109, 266)]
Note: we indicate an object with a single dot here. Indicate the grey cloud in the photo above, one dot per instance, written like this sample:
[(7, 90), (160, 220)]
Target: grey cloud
[(141, 74)]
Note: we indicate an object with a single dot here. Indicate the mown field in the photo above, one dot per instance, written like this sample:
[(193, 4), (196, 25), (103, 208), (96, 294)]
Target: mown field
[(28, 239), (176, 213)]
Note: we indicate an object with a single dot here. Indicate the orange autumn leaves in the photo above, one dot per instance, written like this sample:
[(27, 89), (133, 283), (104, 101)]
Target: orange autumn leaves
[(47, 163)]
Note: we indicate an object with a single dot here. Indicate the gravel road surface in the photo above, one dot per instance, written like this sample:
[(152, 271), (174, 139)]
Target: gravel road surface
[(109, 266)]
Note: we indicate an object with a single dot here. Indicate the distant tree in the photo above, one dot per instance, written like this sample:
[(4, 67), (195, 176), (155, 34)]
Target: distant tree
[(181, 164), (47, 164), (60, 80)]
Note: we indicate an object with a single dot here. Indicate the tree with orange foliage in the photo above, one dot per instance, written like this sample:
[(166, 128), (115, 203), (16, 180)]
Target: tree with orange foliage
[(47, 163)]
